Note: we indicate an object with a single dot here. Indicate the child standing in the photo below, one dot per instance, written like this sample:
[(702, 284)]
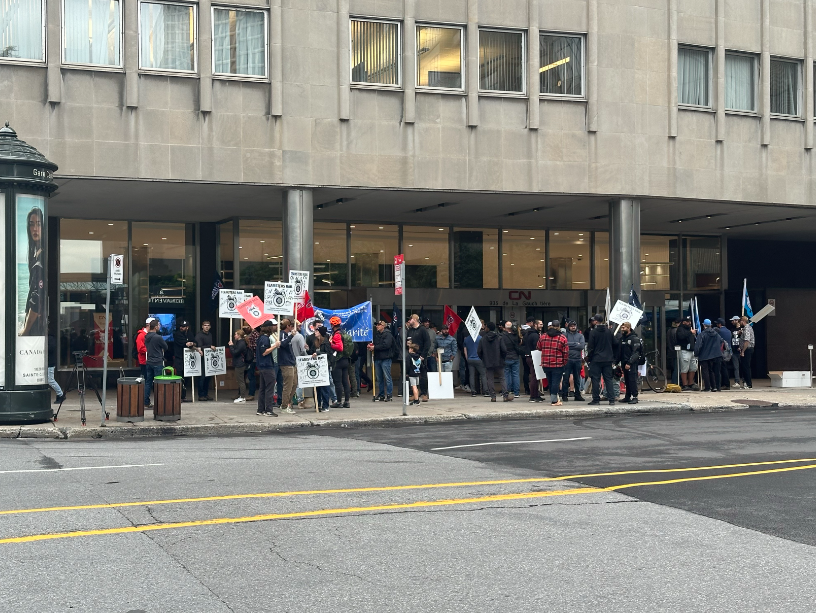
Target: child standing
[(416, 368)]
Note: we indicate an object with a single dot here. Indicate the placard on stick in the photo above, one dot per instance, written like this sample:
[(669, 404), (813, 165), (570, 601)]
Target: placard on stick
[(279, 298), (313, 372)]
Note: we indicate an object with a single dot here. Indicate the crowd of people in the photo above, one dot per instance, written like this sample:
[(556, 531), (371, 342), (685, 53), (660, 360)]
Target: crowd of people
[(498, 362)]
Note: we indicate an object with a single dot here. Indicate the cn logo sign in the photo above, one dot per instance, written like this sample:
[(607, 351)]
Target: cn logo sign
[(519, 295)]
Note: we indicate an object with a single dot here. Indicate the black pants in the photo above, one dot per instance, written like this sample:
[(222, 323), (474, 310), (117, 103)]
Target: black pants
[(725, 379), (745, 363), (178, 366), (573, 368), (630, 379), (266, 390), (525, 377), (423, 383), (710, 371), (490, 376), (596, 371), (341, 379), (532, 383)]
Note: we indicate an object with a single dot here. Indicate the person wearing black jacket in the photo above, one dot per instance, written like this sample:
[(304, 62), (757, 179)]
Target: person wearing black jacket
[(419, 336), (382, 347), (204, 340), (631, 350), (238, 349), (182, 339), (510, 339), (688, 365), (530, 344), (492, 352), (461, 331), (156, 346), (602, 352)]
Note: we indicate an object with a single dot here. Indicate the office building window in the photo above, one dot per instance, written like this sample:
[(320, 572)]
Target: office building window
[(83, 268), (740, 82), (330, 260), (524, 259), (475, 258), (693, 76), (239, 42), (373, 248), (260, 254), (501, 61), (168, 36), (92, 32), (702, 263), (785, 87), (601, 260), (375, 52), (569, 260), (21, 30), (562, 65), (439, 57), (659, 263), (427, 258)]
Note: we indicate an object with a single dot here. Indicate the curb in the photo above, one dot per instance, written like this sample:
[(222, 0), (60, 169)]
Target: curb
[(196, 430)]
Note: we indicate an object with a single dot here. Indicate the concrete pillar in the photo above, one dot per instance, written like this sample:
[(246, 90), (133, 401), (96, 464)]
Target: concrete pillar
[(409, 62), (472, 64), (298, 233), (624, 248), (205, 80)]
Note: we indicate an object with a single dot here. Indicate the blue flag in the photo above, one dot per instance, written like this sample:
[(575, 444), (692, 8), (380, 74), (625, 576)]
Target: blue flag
[(356, 320), (218, 284), (746, 302)]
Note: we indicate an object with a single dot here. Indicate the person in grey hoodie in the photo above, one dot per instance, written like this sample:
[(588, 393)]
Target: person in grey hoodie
[(156, 346), (708, 349), (576, 343)]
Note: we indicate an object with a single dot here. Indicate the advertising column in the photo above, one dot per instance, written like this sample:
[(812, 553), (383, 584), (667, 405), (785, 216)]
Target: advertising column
[(30, 356), (2, 285)]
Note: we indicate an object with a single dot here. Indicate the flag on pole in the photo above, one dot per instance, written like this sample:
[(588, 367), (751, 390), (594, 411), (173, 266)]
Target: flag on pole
[(304, 310), (396, 326), (608, 305), (746, 302), (635, 302), (452, 320), (218, 285), (696, 316)]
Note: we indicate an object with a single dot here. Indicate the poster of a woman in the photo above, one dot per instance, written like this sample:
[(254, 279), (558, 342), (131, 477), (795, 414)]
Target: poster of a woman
[(31, 300)]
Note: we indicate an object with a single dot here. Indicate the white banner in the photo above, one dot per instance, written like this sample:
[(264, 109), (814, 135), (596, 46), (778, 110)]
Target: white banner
[(31, 360), (313, 372), (536, 357), (228, 299), (623, 312), (192, 363), (215, 362), (473, 324), (299, 280), (279, 298)]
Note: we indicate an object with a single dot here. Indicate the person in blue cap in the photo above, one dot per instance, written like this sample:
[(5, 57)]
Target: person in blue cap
[(709, 350)]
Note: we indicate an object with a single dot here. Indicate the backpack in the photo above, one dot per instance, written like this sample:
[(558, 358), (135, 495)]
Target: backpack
[(348, 344), (641, 356)]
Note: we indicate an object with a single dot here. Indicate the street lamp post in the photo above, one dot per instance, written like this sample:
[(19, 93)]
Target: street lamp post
[(26, 182)]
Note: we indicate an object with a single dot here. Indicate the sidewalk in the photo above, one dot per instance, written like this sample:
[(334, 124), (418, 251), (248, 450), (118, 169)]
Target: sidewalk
[(225, 418)]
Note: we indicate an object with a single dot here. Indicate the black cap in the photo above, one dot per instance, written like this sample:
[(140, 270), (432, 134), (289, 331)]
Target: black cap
[(598, 318), (426, 320), (721, 321), (686, 318), (571, 322), (267, 323), (183, 324)]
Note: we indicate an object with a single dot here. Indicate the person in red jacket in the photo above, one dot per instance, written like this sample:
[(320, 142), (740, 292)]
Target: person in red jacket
[(340, 373), (554, 355), (141, 349)]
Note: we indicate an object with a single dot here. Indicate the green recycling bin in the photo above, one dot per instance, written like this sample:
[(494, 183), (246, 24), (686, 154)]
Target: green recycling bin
[(167, 396)]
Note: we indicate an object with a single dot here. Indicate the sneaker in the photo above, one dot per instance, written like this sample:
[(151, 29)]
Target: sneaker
[(346, 405), (202, 399), (492, 399), (271, 414), (424, 398), (591, 402), (149, 405), (632, 401), (414, 402), (323, 410), (239, 400), (736, 386), (611, 402), (336, 405), (579, 398), (466, 388), (288, 410), (259, 412), (209, 397), (388, 398), (250, 398), (379, 399), (533, 400)]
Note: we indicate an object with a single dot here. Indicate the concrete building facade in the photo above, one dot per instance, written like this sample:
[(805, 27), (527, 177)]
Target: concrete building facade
[(225, 120)]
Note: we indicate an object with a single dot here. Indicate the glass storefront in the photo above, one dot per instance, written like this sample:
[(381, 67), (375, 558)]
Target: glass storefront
[(569, 260), (84, 247), (702, 263), (427, 256), (373, 248), (601, 260), (475, 258), (330, 261), (658, 263), (524, 259), (260, 248)]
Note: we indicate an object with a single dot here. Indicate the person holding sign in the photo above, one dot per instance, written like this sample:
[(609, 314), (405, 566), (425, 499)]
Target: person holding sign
[(182, 339), (204, 340), (238, 349), (266, 370), (631, 355), (343, 345)]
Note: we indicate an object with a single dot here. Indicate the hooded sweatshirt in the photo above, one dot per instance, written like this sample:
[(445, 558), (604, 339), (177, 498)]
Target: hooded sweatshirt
[(576, 343), (491, 350), (708, 345)]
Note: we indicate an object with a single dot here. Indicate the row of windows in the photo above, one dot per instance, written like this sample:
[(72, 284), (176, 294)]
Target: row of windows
[(376, 58), (694, 70), (92, 35)]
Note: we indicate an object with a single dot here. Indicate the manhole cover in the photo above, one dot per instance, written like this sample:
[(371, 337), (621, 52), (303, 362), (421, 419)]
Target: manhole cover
[(755, 403)]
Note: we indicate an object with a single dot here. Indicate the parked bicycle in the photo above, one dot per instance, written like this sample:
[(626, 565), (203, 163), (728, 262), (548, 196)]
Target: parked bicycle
[(655, 377)]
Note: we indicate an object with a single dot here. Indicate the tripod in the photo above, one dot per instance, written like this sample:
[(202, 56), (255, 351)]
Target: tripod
[(79, 373)]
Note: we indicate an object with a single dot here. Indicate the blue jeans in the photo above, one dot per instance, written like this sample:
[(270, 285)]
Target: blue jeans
[(447, 366), (382, 370), (323, 397), (53, 382), (430, 363), (203, 386), (554, 376), (573, 368), (511, 376), (152, 371)]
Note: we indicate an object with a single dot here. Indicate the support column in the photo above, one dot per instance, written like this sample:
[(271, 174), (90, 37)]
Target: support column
[(592, 66), (719, 68), (472, 64), (298, 233), (533, 64), (130, 53), (205, 68), (624, 248), (409, 63), (343, 75), (672, 68), (765, 73)]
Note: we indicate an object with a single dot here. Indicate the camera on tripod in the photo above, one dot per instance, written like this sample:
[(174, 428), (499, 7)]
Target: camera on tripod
[(78, 355)]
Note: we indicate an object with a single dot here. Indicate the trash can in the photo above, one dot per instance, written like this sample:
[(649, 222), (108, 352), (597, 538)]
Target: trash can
[(130, 399), (167, 396)]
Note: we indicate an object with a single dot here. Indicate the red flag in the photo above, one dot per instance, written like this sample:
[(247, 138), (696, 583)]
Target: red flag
[(452, 320), (304, 310), (253, 311)]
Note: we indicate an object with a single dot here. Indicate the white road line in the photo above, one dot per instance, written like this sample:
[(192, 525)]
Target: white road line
[(552, 440), (56, 470)]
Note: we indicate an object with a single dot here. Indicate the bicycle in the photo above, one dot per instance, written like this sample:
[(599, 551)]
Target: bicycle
[(655, 377)]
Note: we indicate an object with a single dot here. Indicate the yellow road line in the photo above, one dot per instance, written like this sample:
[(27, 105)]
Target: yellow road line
[(390, 488), (386, 507)]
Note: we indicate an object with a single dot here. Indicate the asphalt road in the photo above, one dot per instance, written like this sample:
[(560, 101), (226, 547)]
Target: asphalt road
[(386, 520)]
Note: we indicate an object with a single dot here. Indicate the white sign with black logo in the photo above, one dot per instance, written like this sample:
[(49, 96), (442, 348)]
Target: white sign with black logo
[(228, 299), (192, 363), (313, 372), (299, 280), (623, 313), (473, 324), (117, 269), (215, 362), (279, 298)]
